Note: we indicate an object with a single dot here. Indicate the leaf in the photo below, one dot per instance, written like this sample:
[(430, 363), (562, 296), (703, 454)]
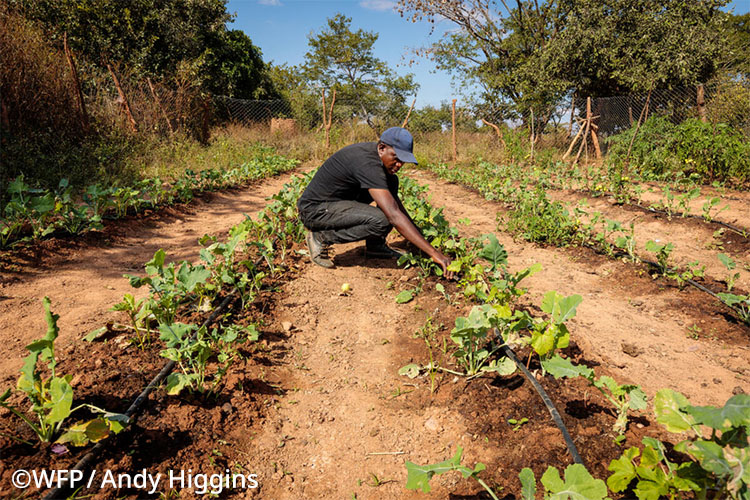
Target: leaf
[(190, 277), (528, 484), (623, 469), (61, 400), (411, 370), (561, 367), (503, 367), (94, 335), (727, 261), (567, 308), (404, 296), (176, 382), (638, 398), (83, 433), (419, 475), (578, 484), (494, 252), (667, 408), (736, 413)]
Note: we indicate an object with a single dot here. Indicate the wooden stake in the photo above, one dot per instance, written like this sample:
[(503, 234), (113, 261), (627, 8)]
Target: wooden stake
[(406, 120), (532, 136), (701, 102), (77, 82), (497, 131), (327, 123), (572, 113), (158, 105), (573, 142), (453, 129), (638, 126), (592, 128), (123, 99)]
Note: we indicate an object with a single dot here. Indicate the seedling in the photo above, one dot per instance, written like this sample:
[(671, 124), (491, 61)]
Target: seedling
[(578, 484), (517, 423), (730, 264), (52, 398), (419, 475)]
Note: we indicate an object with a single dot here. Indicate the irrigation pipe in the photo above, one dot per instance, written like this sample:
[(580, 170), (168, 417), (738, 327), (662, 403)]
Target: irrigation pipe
[(742, 232), (505, 348), (88, 458)]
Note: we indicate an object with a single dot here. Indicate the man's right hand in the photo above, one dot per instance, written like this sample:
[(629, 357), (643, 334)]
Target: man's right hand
[(444, 261)]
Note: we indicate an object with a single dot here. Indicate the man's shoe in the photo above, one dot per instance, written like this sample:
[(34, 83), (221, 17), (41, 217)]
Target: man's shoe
[(382, 252), (318, 251)]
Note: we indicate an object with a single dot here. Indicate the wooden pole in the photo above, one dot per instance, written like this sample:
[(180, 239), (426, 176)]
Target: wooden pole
[(532, 136), (701, 102), (573, 142), (406, 120), (572, 113), (77, 82), (159, 106), (327, 123), (123, 99), (453, 130), (592, 128)]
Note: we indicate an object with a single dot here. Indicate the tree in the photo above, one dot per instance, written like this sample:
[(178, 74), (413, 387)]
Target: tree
[(344, 59), (532, 55), (738, 48)]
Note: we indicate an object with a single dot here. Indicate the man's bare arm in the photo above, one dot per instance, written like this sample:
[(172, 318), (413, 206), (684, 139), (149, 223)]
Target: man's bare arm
[(397, 216)]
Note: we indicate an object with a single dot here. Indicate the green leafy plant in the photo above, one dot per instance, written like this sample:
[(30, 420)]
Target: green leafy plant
[(623, 397), (730, 264), (139, 312), (578, 484), (51, 397), (547, 336), (740, 303), (662, 255), (419, 476), (475, 347), (192, 347), (717, 446)]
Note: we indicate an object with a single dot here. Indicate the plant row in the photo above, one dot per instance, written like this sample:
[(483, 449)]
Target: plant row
[(32, 214), (711, 467), (202, 353), (533, 216)]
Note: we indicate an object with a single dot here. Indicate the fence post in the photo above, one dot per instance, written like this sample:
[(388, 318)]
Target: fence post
[(76, 81), (572, 113), (531, 156), (593, 128), (123, 98), (406, 120), (327, 124), (453, 130), (701, 102)]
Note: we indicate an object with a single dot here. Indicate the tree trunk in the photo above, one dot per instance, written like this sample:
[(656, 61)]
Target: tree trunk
[(701, 102), (123, 99)]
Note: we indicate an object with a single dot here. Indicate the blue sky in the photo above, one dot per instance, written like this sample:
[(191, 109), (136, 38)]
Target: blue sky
[(281, 28)]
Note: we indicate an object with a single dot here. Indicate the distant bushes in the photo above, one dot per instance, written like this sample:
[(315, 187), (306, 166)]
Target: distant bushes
[(703, 150)]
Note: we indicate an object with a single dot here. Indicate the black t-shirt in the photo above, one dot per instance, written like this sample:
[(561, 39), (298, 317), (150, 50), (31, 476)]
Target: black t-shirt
[(347, 175)]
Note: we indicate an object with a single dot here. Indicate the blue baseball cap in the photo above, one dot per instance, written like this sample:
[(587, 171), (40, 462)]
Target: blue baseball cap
[(401, 141)]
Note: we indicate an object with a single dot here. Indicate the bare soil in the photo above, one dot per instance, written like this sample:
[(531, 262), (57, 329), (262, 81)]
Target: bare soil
[(317, 409)]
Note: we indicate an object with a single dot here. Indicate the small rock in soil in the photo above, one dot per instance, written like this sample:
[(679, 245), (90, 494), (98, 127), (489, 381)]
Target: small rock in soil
[(631, 349), (227, 408), (431, 424), (717, 381), (738, 390), (287, 326)]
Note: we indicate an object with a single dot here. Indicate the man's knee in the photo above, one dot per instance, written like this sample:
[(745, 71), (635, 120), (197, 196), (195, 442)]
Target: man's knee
[(380, 224)]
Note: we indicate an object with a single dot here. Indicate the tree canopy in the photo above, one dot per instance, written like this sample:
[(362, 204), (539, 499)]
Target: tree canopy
[(155, 37), (342, 59), (533, 53)]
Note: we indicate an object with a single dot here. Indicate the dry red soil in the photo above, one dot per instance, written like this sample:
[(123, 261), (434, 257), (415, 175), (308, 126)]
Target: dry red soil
[(317, 409)]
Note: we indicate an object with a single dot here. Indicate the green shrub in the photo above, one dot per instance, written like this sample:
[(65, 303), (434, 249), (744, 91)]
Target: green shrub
[(663, 149)]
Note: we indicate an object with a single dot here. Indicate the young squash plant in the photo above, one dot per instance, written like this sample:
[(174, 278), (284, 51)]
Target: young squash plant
[(51, 397), (419, 475), (547, 336)]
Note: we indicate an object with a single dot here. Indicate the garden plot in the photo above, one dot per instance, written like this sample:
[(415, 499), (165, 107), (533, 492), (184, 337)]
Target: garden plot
[(318, 408)]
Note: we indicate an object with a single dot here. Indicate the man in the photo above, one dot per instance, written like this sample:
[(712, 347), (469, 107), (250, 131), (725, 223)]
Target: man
[(335, 207)]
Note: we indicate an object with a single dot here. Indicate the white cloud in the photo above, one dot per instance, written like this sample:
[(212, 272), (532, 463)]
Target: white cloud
[(380, 5), (275, 3)]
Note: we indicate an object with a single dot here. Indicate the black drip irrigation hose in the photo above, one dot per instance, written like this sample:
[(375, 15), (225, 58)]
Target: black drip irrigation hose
[(505, 348), (742, 232), (88, 458)]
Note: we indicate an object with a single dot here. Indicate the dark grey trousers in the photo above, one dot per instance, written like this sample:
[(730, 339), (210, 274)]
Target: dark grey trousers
[(346, 221)]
